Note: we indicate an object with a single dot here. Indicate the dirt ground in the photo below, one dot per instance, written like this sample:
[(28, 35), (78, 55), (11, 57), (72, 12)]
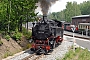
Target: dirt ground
[(11, 47)]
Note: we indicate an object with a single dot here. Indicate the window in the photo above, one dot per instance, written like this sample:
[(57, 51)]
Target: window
[(81, 26), (83, 19)]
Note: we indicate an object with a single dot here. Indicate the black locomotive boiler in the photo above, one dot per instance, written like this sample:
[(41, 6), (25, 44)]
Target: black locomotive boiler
[(46, 34)]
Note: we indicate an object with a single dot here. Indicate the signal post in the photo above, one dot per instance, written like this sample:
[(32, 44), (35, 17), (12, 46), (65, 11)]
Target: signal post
[(73, 29)]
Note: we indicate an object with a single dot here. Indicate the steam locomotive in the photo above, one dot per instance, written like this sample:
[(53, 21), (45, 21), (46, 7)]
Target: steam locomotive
[(46, 34)]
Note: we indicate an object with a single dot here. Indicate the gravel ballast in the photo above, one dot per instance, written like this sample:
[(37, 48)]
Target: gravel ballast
[(58, 52)]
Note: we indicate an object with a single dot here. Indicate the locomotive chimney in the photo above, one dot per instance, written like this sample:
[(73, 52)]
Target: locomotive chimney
[(44, 18)]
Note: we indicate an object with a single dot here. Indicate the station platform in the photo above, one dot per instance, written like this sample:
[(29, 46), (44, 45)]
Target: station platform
[(76, 35)]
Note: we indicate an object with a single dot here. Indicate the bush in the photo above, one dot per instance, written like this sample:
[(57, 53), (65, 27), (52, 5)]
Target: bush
[(28, 46), (26, 33), (7, 37), (17, 36)]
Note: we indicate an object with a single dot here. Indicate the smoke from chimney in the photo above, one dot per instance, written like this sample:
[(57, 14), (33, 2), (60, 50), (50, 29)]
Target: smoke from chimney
[(45, 5)]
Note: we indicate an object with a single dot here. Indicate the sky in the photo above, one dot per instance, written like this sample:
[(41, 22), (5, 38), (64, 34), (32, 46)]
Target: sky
[(60, 5)]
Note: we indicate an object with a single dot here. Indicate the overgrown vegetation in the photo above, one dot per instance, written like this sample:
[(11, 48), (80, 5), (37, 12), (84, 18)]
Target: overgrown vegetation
[(13, 13), (7, 37), (26, 33), (1, 42), (27, 46), (7, 54), (17, 36), (79, 54)]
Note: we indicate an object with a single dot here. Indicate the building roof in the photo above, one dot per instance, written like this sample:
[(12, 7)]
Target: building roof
[(84, 23), (66, 23), (81, 16)]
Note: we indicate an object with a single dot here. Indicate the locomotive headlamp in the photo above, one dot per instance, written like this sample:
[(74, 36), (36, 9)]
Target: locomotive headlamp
[(40, 41), (51, 42)]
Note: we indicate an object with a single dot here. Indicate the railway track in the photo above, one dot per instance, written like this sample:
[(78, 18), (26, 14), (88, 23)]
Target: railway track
[(78, 36), (33, 57), (57, 52)]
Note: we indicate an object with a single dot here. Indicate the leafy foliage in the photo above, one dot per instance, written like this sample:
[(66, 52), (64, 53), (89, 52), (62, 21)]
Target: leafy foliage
[(72, 9), (85, 8), (15, 12), (26, 33), (17, 36), (7, 37)]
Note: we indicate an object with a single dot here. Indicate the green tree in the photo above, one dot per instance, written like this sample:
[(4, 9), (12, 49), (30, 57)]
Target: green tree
[(15, 12), (72, 9), (61, 15), (3, 16), (85, 7), (76, 9)]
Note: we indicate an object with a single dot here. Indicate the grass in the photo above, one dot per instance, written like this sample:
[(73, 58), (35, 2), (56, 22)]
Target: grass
[(1, 42), (7, 54), (27, 46), (79, 54)]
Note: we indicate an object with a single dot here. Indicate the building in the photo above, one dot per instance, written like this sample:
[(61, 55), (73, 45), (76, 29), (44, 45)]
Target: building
[(80, 19)]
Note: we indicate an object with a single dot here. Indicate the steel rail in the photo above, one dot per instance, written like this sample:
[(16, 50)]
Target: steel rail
[(33, 57)]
